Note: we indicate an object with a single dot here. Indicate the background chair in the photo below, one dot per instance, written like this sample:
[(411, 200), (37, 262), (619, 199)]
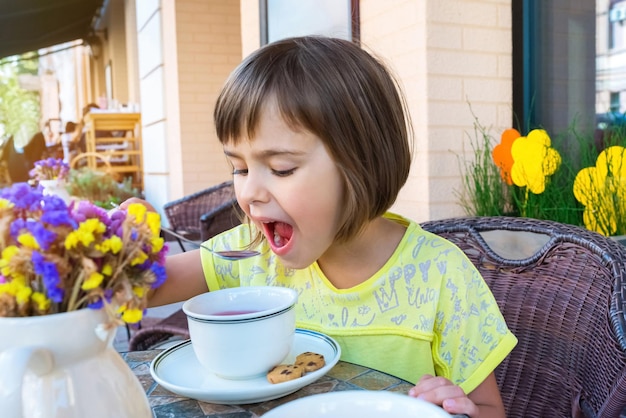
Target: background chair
[(562, 291), (203, 214)]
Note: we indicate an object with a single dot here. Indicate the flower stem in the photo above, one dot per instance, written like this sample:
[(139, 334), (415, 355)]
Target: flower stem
[(72, 304)]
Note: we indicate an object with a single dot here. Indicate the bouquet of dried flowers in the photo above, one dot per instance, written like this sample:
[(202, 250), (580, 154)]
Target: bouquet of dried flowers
[(50, 169), (60, 258)]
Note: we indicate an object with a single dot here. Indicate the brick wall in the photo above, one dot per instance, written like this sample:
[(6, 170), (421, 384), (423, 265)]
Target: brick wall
[(448, 54)]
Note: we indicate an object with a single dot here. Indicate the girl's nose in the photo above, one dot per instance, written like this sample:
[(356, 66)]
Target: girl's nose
[(251, 189)]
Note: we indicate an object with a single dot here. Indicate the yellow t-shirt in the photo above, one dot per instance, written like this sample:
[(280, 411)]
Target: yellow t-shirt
[(427, 310)]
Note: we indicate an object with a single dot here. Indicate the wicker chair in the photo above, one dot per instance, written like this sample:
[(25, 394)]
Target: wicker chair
[(565, 300), (203, 214)]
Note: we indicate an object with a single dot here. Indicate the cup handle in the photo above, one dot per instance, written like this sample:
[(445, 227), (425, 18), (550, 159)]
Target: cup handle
[(14, 362)]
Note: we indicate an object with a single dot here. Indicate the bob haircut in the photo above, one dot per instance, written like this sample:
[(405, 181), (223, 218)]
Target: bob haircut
[(341, 94)]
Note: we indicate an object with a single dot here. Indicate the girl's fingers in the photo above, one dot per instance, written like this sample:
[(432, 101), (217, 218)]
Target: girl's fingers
[(462, 405)]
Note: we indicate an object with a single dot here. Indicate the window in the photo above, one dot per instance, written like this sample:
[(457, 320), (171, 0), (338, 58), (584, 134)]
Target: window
[(284, 18), (569, 62)]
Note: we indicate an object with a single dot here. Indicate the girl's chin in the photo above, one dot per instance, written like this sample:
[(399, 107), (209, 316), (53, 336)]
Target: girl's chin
[(292, 261)]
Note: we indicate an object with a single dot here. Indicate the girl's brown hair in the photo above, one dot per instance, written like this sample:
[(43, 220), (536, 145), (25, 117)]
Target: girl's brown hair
[(340, 93)]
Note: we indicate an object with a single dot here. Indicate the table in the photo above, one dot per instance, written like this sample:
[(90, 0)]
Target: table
[(344, 376)]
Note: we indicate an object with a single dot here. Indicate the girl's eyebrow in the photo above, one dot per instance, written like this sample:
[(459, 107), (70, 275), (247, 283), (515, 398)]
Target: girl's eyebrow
[(267, 153)]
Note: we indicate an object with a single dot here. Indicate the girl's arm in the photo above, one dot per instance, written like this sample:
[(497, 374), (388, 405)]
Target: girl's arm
[(482, 402), (185, 279)]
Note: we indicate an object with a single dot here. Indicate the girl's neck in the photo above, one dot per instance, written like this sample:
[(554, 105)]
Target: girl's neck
[(350, 264)]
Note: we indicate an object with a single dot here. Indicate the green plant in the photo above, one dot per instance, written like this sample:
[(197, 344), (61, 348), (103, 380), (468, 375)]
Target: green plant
[(19, 108), (485, 194), (575, 187), (100, 188)]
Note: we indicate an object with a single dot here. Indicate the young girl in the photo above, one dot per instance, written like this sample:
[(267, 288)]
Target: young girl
[(316, 134)]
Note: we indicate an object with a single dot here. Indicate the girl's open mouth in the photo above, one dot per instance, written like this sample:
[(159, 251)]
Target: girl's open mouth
[(278, 233)]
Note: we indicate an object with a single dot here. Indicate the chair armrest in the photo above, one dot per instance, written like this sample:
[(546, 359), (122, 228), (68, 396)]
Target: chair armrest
[(183, 214), (220, 219)]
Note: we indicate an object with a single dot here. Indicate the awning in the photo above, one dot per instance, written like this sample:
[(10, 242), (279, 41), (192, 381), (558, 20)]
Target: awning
[(27, 25)]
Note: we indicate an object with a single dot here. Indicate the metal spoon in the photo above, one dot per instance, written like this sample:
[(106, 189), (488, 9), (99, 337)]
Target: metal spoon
[(225, 254)]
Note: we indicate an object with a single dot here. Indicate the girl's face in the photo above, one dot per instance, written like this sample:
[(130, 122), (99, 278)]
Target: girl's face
[(289, 186)]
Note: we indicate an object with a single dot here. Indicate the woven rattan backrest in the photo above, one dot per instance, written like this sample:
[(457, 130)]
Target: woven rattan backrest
[(566, 305), (184, 214)]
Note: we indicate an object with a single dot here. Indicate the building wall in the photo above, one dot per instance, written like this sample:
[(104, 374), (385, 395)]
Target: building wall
[(469, 75)]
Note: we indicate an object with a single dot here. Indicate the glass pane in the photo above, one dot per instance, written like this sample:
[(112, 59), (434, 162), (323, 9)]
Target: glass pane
[(610, 63), (287, 18)]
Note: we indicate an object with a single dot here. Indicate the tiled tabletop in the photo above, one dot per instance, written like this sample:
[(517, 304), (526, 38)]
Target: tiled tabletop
[(344, 376)]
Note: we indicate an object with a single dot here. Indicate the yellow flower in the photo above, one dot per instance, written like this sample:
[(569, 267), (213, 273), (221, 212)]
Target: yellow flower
[(132, 316), (139, 258), (7, 254), (138, 211), (157, 244), (602, 190), (107, 269), (113, 245), (28, 240), (23, 294), (534, 160), (18, 289), (6, 204), (139, 291), (85, 233), (42, 302), (153, 220), (94, 280)]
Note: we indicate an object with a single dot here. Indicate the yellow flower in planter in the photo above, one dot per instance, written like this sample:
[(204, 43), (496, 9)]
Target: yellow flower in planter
[(602, 191), (534, 160)]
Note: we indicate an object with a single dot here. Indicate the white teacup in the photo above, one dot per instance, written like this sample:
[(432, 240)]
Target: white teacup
[(242, 332)]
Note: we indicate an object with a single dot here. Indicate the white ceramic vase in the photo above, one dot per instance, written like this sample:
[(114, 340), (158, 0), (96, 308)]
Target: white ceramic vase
[(64, 365), (57, 188)]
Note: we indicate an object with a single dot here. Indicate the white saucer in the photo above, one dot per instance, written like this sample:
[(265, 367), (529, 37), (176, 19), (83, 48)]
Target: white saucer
[(177, 369)]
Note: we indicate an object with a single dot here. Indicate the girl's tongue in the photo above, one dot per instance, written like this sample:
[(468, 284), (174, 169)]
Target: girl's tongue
[(282, 233)]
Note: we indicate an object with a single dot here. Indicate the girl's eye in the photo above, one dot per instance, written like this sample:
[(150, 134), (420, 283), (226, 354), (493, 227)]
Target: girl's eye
[(283, 173), (241, 172)]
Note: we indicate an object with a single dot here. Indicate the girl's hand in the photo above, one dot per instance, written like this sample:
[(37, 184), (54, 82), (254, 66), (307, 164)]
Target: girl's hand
[(442, 392), (124, 204)]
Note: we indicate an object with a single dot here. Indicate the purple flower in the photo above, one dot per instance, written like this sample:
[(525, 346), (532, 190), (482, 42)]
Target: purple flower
[(50, 276), (56, 294), (99, 303), (16, 227), (49, 169), (44, 236), (159, 273), (162, 254), (84, 210), (58, 218), (117, 220), (23, 196)]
